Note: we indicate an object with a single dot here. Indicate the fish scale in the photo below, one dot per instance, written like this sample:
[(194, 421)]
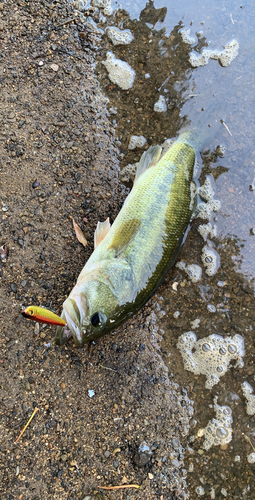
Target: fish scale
[(132, 260)]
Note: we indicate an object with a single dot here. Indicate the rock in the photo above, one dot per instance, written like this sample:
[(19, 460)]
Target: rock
[(142, 455), (13, 287), (37, 329), (54, 67)]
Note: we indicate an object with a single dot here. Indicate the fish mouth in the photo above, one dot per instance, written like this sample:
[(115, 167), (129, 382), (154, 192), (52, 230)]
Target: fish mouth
[(63, 334), (72, 314)]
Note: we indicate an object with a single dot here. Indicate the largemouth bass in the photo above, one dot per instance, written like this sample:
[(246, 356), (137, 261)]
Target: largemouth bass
[(132, 257)]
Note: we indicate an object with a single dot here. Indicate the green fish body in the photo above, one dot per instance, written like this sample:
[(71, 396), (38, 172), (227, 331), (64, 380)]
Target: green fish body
[(138, 250)]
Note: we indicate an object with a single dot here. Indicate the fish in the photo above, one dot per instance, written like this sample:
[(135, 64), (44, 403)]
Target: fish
[(42, 315), (132, 256)]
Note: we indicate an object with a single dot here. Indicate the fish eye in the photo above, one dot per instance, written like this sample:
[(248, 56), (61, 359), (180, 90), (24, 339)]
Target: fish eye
[(31, 312), (95, 319)]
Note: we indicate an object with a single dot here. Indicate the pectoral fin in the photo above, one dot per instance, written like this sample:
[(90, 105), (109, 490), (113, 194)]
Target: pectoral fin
[(148, 159), (124, 236), (101, 231)]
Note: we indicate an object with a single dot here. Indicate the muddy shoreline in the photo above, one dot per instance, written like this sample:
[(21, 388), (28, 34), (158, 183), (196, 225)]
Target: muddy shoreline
[(58, 161)]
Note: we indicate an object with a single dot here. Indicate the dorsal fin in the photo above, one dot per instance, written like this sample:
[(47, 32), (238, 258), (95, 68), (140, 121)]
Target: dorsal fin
[(125, 234), (148, 159), (101, 231)]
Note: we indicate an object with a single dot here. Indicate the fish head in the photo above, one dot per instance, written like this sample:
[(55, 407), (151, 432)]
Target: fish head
[(88, 312)]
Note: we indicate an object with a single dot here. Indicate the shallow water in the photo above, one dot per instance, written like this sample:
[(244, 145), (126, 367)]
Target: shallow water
[(222, 97)]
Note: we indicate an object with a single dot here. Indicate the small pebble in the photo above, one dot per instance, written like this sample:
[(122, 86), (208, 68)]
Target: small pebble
[(251, 458), (91, 393), (106, 453), (63, 385), (37, 329), (35, 184), (176, 314), (211, 308), (221, 284), (54, 67)]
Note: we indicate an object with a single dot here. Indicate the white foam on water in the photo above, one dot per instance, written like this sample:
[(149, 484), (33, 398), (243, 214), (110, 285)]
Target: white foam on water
[(194, 271), (119, 37), (248, 394), (119, 71), (225, 57), (136, 141), (210, 259), (105, 5), (210, 356), (160, 106), (207, 230), (218, 430), (185, 34)]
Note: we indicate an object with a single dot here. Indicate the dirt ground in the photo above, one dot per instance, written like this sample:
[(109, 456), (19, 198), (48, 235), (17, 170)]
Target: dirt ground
[(58, 161)]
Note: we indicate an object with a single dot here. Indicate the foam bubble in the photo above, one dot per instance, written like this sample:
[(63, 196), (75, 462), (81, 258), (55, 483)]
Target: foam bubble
[(119, 37), (248, 394), (206, 191), (194, 271), (128, 172), (210, 356), (166, 145), (230, 53), (207, 230), (119, 71), (210, 259), (205, 209), (80, 5), (136, 141), (185, 34), (218, 430), (200, 491), (160, 106), (225, 57), (103, 4), (195, 323), (176, 314)]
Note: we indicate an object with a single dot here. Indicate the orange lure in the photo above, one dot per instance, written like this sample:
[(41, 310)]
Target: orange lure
[(42, 316)]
